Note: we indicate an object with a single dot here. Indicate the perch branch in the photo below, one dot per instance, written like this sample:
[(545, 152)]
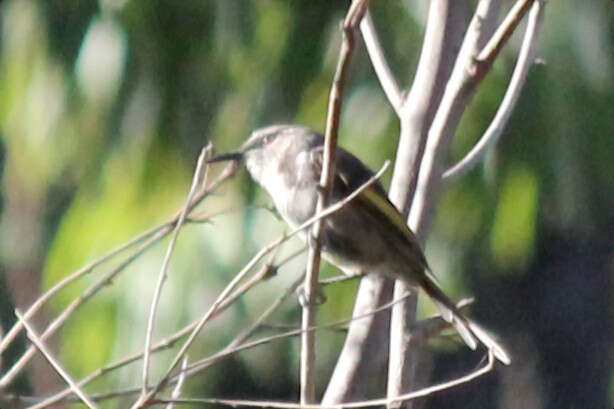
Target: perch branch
[(308, 351), (230, 287)]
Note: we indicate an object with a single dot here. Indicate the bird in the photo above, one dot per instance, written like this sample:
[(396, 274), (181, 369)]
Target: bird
[(367, 235)]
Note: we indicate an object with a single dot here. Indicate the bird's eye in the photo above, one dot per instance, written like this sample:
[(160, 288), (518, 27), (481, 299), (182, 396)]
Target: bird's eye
[(267, 139)]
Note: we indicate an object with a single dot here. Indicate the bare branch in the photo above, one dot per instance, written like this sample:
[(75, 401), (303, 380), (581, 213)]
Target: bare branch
[(338, 279), (40, 301), (467, 74), (180, 380), (229, 350), (367, 340), (427, 328), (167, 343), (10, 375), (308, 352), (199, 365), (442, 38), (230, 287), (380, 65), (56, 365), (373, 402), (505, 30), (158, 232), (496, 127), (457, 95), (197, 179)]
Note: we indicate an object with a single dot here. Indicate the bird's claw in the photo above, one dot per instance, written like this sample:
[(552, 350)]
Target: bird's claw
[(317, 298)]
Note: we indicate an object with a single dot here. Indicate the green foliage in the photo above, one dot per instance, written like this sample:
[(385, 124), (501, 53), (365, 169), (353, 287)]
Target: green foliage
[(513, 235), (105, 105), (89, 338)]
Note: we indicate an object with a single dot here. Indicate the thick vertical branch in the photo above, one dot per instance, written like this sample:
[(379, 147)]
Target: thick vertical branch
[(364, 351), (467, 74), (442, 39), (367, 339), (496, 127), (308, 355), (429, 111)]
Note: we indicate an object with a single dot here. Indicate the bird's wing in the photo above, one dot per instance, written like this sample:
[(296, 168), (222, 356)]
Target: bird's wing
[(350, 174)]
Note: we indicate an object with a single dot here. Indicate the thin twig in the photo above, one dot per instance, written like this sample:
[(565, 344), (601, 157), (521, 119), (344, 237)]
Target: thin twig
[(56, 365), (80, 300), (169, 342), (504, 31), (226, 173), (338, 279), (177, 389), (205, 362), (198, 177), (40, 301), (373, 402), (227, 351), (308, 351), (240, 339), (163, 344), (496, 127), (230, 287), (429, 327), (380, 65)]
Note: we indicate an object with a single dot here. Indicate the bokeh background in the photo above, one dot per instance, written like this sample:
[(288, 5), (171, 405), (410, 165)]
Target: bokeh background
[(105, 105)]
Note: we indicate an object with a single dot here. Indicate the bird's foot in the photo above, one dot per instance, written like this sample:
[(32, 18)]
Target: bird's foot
[(316, 298)]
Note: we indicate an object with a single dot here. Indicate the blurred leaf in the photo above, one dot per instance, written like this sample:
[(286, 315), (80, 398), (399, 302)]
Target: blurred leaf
[(101, 60), (88, 338), (513, 233), (100, 219)]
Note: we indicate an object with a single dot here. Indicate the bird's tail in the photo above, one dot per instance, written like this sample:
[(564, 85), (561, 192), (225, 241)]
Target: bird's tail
[(467, 329)]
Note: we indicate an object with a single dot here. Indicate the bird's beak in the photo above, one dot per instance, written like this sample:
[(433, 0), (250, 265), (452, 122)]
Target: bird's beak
[(237, 155)]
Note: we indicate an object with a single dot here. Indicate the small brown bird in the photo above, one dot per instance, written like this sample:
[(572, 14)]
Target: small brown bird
[(368, 235)]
